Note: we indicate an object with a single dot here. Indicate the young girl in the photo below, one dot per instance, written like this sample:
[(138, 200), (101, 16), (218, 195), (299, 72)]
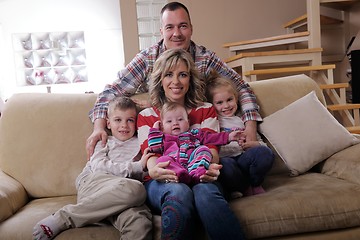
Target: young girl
[(183, 146), (109, 187), (246, 164)]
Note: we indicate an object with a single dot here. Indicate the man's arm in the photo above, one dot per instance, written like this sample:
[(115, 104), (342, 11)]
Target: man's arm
[(247, 99), (98, 134), (129, 80), (206, 61)]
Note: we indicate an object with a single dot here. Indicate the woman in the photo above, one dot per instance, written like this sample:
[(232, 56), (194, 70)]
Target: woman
[(175, 79)]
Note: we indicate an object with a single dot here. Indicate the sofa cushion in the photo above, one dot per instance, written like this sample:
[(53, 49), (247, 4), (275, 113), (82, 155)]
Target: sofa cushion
[(310, 202), (43, 141), (344, 164), (12, 196), (275, 94), (304, 133)]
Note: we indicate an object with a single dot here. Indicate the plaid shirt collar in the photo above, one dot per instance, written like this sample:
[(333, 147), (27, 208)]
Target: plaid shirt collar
[(191, 50)]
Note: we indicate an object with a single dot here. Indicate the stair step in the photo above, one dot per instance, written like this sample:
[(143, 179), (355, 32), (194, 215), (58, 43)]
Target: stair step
[(272, 53), (334, 86), (340, 107), (338, 4), (289, 70), (354, 129), (268, 41)]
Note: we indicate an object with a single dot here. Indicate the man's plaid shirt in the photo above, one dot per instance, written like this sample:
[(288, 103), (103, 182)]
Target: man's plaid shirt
[(135, 77)]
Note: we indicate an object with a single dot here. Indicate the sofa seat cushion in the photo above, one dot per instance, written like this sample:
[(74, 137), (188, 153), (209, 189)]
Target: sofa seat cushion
[(20, 225), (344, 164), (292, 205)]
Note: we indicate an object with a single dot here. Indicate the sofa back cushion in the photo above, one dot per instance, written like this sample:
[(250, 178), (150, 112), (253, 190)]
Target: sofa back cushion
[(43, 140), (277, 93)]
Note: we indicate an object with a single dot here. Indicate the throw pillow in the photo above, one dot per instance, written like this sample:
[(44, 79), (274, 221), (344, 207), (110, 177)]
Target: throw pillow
[(304, 133)]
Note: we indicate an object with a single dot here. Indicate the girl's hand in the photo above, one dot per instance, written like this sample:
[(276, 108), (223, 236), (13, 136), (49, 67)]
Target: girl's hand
[(212, 173), (160, 173), (237, 135)]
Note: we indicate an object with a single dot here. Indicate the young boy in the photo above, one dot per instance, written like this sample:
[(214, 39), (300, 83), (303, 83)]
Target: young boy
[(182, 146), (246, 164), (109, 187)]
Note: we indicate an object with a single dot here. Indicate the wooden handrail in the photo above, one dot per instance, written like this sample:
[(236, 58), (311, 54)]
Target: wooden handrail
[(268, 39)]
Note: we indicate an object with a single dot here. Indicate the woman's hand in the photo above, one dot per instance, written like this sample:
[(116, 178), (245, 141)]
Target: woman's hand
[(160, 173), (212, 173)]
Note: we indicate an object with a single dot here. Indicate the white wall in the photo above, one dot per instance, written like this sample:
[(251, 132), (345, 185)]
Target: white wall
[(99, 19)]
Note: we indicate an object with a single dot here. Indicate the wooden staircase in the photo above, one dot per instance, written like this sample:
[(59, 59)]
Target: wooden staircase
[(262, 57), (348, 113)]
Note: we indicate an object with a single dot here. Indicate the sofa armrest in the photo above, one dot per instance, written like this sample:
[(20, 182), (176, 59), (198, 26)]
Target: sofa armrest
[(344, 164), (12, 196)]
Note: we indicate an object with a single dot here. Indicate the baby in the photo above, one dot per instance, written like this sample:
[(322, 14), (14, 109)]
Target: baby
[(184, 148)]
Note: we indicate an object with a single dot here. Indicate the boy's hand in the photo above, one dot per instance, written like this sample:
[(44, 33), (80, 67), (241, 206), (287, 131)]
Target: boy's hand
[(145, 157)]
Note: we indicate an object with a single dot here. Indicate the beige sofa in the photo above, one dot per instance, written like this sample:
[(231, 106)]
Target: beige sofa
[(42, 150)]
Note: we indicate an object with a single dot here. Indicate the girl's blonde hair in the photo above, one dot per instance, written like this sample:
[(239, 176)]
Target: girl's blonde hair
[(168, 61), (215, 81)]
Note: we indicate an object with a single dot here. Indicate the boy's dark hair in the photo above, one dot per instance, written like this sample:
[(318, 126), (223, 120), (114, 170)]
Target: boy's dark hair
[(172, 6)]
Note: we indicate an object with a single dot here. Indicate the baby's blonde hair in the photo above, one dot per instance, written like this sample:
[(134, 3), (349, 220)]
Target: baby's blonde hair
[(170, 106)]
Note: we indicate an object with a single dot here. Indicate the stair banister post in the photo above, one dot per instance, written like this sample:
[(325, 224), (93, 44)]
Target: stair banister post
[(313, 13)]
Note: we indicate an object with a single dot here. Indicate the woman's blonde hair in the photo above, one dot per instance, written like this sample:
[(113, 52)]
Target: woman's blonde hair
[(214, 81), (168, 61)]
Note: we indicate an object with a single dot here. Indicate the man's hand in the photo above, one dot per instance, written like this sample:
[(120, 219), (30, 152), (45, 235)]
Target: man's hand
[(98, 134), (250, 131)]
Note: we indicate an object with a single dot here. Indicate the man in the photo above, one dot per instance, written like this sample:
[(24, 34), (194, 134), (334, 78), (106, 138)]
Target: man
[(176, 30)]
